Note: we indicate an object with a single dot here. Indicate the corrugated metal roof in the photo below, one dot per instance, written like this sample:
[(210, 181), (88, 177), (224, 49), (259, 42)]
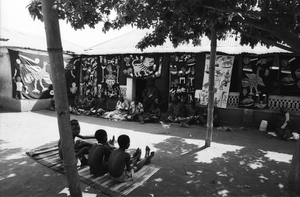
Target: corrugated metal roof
[(25, 40), (126, 44)]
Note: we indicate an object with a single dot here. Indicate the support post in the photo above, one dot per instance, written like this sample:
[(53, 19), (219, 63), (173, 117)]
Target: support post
[(211, 90), (60, 91)]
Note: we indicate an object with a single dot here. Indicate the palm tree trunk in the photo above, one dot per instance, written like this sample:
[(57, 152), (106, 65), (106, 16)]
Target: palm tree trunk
[(60, 91), (211, 90)]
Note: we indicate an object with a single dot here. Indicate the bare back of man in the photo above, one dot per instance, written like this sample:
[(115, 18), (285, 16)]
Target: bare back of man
[(118, 161)]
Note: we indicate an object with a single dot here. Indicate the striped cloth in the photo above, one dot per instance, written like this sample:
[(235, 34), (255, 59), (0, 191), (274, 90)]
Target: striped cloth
[(49, 157)]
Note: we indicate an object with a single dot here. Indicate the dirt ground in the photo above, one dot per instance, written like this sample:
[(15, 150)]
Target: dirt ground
[(242, 162)]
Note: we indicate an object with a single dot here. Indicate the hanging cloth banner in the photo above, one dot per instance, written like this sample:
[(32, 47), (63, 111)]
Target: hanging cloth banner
[(31, 75), (223, 70), (143, 66)]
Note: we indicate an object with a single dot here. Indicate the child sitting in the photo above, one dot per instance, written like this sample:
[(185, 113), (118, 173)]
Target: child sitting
[(99, 154), (120, 167)]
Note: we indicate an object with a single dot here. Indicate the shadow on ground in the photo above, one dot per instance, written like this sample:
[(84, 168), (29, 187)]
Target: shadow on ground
[(239, 163), (243, 172)]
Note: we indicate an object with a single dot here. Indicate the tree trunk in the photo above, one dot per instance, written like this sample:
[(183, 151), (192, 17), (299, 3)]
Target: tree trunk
[(293, 180), (211, 90), (60, 91)]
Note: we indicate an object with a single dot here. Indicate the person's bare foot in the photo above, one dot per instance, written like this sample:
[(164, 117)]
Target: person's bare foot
[(148, 159), (136, 152), (147, 152), (137, 155)]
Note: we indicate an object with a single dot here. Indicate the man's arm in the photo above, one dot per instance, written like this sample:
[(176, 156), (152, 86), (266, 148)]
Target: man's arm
[(286, 122), (127, 162), (86, 136)]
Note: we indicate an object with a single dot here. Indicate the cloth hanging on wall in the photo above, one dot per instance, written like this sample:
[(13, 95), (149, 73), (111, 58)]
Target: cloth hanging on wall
[(182, 77), (289, 77), (73, 79), (89, 81), (142, 66), (257, 82), (31, 75), (110, 76), (223, 70)]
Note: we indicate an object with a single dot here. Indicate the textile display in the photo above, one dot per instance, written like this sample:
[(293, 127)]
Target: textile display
[(89, 80), (49, 157), (142, 66), (182, 77), (258, 77), (31, 75), (73, 78), (223, 71), (289, 77), (110, 75)]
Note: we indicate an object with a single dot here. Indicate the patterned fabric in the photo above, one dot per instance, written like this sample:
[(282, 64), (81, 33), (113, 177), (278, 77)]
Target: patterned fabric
[(122, 105), (136, 109)]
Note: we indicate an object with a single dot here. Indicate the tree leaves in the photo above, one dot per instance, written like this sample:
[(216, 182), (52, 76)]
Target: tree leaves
[(185, 21)]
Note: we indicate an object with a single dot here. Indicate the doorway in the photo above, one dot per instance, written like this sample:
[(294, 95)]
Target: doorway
[(140, 85)]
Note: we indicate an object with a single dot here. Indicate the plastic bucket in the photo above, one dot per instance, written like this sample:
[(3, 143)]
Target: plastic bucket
[(263, 125)]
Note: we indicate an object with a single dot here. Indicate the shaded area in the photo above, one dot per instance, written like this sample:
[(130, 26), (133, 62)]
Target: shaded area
[(244, 172), (239, 163)]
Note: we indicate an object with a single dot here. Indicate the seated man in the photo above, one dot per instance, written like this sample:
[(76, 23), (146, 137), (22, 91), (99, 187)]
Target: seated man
[(79, 144), (199, 115), (121, 110), (153, 115), (135, 111), (87, 102), (178, 112), (99, 154), (120, 165), (282, 122), (149, 94), (98, 105)]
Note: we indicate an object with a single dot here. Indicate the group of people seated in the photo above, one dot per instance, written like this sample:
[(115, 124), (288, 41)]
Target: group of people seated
[(103, 157), (135, 111), (145, 110)]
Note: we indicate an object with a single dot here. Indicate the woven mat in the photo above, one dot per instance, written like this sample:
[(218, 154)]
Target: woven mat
[(49, 157)]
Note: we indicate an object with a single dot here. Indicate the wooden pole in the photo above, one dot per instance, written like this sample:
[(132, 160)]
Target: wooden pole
[(211, 90), (293, 179), (60, 91)]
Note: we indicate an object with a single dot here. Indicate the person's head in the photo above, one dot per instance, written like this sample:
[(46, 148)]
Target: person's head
[(124, 141), (136, 100), (121, 98), (101, 136), (283, 110), (90, 96), (156, 100), (193, 104), (75, 127), (175, 99), (152, 82)]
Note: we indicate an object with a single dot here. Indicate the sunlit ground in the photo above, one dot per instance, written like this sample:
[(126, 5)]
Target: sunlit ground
[(214, 168)]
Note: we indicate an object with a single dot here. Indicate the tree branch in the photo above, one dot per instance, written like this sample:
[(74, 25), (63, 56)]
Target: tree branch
[(272, 43)]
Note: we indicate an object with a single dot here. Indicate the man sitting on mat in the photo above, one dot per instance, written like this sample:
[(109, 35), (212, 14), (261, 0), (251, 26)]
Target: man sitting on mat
[(99, 154), (79, 144), (120, 164)]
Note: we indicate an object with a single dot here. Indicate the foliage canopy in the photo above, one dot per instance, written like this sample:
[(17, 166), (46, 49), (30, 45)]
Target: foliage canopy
[(270, 22)]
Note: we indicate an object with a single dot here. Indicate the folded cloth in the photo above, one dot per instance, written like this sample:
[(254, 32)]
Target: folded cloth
[(295, 136)]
